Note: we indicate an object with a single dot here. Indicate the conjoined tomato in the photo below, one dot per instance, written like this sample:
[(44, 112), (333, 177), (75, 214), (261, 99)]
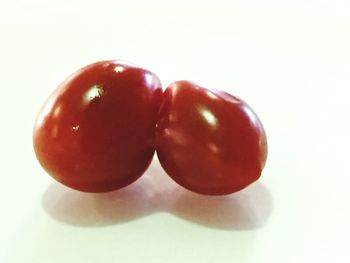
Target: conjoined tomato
[(99, 129), (208, 141), (96, 132)]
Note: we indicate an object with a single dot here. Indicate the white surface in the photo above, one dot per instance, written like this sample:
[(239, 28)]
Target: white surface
[(289, 59)]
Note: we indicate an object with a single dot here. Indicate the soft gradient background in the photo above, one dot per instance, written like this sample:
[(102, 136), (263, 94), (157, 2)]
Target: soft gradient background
[(289, 59)]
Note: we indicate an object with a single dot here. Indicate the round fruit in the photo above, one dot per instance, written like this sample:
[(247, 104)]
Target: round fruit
[(208, 141), (96, 132)]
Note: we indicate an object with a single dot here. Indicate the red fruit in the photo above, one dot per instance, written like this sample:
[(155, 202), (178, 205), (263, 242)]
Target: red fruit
[(96, 132), (210, 142)]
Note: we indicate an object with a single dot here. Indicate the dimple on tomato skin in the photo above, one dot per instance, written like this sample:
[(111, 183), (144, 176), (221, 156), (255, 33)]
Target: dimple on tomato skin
[(209, 141), (96, 132)]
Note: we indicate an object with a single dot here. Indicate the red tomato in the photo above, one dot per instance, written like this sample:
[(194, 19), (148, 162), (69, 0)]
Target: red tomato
[(96, 132), (209, 141)]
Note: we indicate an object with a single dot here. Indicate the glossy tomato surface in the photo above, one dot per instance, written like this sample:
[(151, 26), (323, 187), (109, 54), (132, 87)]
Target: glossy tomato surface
[(208, 141), (96, 131)]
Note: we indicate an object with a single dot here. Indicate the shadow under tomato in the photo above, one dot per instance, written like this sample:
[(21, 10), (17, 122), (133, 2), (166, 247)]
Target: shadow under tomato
[(88, 209), (155, 192), (244, 210)]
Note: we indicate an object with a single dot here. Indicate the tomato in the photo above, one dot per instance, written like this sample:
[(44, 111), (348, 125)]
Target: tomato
[(96, 132), (209, 141)]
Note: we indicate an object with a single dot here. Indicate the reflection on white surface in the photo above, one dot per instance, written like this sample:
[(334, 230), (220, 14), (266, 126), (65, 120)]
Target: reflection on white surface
[(153, 193)]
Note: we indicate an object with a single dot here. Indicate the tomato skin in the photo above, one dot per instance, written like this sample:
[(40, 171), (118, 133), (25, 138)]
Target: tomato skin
[(96, 132), (208, 141)]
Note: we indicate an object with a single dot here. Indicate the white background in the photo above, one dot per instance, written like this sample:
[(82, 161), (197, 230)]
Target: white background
[(290, 60)]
